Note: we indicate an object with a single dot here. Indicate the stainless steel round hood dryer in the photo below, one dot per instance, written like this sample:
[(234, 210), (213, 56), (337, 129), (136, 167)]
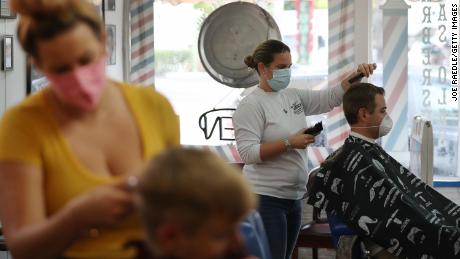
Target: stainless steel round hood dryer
[(228, 35)]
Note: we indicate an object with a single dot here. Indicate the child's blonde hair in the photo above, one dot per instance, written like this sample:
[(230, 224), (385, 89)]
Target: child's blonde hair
[(186, 187)]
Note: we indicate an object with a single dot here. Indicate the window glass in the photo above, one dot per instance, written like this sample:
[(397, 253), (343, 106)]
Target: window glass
[(181, 77), (428, 76)]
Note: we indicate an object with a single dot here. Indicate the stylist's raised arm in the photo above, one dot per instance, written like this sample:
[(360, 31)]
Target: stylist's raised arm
[(64, 149)]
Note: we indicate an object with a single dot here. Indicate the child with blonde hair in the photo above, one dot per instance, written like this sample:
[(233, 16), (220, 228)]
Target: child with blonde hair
[(191, 203)]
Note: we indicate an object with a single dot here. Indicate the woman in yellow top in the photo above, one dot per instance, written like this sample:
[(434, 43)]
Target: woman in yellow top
[(66, 151)]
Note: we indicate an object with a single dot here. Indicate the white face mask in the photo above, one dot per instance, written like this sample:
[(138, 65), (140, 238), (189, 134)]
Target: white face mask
[(384, 127)]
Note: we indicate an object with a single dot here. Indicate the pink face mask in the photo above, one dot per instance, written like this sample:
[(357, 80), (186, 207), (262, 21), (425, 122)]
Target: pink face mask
[(81, 87)]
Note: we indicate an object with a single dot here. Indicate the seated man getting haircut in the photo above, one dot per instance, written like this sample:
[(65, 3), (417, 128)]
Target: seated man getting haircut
[(376, 196)]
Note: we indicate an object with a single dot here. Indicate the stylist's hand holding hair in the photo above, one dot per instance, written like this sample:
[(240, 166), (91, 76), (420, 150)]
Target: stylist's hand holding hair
[(67, 150), (105, 206), (269, 130)]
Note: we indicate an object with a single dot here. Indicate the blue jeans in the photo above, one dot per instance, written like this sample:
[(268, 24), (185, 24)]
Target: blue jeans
[(281, 218)]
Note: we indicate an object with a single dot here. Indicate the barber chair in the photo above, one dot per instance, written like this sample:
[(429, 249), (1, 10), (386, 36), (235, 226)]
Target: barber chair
[(255, 237), (347, 243), (329, 232), (315, 234), (421, 149), (338, 228)]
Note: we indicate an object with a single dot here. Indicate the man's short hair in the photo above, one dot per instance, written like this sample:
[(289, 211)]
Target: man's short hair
[(186, 187), (360, 95)]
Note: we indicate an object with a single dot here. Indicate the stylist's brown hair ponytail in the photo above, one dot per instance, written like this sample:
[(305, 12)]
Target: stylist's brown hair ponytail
[(264, 53), (45, 19)]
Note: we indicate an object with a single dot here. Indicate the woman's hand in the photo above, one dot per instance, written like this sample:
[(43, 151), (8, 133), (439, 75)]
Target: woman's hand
[(365, 69), (104, 206), (301, 140), (276, 148)]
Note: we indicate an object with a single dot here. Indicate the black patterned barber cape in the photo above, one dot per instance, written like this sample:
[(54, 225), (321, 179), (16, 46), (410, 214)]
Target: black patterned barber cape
[(380, 199)]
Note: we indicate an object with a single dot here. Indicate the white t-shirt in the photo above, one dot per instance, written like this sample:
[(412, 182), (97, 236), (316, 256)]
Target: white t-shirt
[(264, 117)]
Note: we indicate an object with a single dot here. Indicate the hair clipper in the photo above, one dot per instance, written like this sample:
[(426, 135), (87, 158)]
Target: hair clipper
[(356, 78), (315, 130)]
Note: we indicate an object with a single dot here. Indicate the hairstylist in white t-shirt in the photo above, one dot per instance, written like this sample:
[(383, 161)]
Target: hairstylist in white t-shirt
[(269, 125)]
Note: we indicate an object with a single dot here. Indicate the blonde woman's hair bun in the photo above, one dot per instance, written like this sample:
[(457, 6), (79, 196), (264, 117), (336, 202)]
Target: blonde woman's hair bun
[(44, 19), (40, 8)]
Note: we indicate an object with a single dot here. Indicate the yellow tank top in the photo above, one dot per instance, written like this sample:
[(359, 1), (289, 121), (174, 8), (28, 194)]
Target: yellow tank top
[(28, 133)]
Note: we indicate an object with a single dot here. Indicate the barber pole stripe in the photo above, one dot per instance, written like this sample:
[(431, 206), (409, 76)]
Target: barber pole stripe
[(395, 77), (138, 21), (142, 50), (143, 78), (341, 62), (142, 42)]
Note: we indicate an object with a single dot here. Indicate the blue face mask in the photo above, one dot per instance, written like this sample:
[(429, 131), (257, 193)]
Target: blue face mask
[(280, 80)]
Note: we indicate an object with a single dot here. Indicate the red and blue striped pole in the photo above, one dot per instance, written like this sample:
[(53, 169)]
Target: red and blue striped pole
[(395, 77), (341, 62), (142, 42)]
